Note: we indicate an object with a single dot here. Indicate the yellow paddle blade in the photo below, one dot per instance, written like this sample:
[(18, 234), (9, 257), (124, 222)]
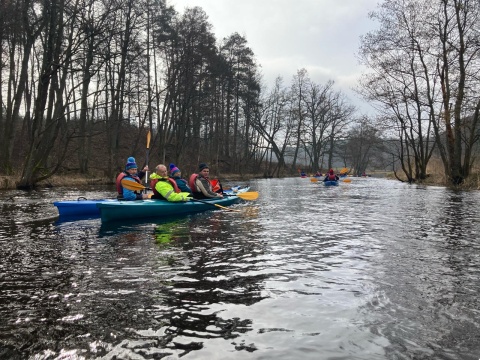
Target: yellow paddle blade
[(149, 136), (313, 179), (249, 195), (344, 171), (132, 185), (347, 180)]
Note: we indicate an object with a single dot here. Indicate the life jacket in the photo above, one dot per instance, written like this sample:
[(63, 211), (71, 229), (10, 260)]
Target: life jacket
[(191, 182), (332, 177), (156, 194), (118, 181), (216, 186)]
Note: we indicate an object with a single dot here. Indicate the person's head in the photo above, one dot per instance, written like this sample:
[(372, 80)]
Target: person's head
[(131, 166), (161, 170), (175, 171), (203, 170), (331, 172)]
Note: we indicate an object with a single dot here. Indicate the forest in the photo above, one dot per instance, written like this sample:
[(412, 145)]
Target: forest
[(84, 81)]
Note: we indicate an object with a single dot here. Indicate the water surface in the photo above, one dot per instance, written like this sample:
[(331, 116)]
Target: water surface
[(372, 269)]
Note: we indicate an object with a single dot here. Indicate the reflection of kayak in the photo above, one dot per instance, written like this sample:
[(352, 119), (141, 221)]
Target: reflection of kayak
[(88, 208), (121, 210), (331, 183)]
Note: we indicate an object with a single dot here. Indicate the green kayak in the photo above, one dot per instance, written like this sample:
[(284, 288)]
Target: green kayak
[(122, 210)]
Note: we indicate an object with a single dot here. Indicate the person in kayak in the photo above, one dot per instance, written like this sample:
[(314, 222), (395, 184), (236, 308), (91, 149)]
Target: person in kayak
[(165, 188), (331, 176), (201, 185), (176, 175), (130, 174)]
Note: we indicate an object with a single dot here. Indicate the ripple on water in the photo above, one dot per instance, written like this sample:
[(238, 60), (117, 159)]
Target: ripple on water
[(372, 269)]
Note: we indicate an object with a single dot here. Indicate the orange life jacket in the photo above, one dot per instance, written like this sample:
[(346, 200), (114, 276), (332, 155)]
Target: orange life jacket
[(216, 187), (118, 181)]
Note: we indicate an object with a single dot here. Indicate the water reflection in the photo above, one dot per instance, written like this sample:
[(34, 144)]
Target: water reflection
[(372, 269)]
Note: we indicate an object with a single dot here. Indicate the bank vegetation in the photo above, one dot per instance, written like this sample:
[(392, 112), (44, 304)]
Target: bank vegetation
[(84, 83)]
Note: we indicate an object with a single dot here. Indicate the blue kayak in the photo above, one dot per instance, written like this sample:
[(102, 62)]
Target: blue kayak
[(122, 210), (80, 207), (331, 183)]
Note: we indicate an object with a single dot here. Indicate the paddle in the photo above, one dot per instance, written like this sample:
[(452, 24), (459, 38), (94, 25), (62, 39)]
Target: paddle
[(132, 185), (149, 135), (217, 205), (248, 195), (313, 179)]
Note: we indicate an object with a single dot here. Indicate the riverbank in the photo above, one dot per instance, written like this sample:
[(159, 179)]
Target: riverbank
[(10, 182)]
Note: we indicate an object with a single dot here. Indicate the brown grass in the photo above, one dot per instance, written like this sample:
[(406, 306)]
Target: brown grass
[(10, 182)]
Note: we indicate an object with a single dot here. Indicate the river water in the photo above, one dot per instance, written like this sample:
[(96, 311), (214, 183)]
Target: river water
[(372, 269)]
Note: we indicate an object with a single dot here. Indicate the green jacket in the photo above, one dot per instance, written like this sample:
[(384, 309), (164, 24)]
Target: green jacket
[(164, 187)]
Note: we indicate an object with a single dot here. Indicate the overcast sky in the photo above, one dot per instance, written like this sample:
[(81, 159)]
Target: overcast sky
[(321, 36)]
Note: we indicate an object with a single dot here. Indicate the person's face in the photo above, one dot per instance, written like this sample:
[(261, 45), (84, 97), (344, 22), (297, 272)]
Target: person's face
[(205, 172), (132, 171), (162, 171)]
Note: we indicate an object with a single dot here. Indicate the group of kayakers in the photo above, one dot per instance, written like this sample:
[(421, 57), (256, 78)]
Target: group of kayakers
[(167, 187), (329, 176)]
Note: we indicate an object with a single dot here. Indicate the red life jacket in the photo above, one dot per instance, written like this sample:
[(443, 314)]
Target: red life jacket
[(216, 187), (118, 182), (332, 177), (191, 182), (153, 182)]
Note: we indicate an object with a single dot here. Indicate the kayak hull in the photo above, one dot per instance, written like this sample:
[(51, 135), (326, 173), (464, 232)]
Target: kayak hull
[(330, 183), (123, 210), (79, 207)]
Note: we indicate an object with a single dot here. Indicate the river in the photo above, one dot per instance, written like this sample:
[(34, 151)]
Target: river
[(371, 269)]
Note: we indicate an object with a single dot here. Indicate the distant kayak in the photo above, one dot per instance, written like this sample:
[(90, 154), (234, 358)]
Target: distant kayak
[(331, 183)]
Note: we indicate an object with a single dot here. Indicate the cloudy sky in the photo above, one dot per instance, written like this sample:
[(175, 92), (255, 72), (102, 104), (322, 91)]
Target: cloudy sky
[(321, 36)]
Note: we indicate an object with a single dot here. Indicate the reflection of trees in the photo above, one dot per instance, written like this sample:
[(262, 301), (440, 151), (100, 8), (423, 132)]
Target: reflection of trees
[(205, 265), (117, 292), (425, 291)]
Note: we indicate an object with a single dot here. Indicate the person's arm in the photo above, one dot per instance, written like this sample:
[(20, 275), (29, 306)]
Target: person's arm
[(205, 191), (168, 192), (182, 185), (129, 195)]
